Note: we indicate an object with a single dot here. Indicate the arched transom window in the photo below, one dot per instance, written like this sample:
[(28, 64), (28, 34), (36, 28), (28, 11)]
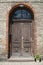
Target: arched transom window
[(22, 13)]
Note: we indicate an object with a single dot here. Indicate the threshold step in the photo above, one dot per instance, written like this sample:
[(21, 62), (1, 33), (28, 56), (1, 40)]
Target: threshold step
[(21, 59)]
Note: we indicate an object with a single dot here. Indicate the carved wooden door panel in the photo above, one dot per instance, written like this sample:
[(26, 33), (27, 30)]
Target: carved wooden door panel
[(16, 39), (26, 39), (21, 39)]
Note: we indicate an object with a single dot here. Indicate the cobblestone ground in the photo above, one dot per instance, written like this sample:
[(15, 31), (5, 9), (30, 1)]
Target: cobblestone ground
[(21, 63)]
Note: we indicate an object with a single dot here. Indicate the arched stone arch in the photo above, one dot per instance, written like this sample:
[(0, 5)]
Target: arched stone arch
[(7, 25)]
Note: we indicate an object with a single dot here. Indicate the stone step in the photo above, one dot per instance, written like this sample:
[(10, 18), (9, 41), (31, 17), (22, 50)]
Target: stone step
[(21, 59)]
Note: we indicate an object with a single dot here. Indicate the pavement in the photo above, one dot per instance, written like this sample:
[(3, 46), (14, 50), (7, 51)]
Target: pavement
[(22, 63)]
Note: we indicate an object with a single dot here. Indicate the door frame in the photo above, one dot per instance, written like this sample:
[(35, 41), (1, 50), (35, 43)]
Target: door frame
[(7, 26)]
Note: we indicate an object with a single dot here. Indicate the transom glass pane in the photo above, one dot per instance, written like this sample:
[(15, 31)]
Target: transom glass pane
[(22, 14)]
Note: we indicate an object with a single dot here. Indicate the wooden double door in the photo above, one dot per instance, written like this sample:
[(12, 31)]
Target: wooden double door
[(21, 39)]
